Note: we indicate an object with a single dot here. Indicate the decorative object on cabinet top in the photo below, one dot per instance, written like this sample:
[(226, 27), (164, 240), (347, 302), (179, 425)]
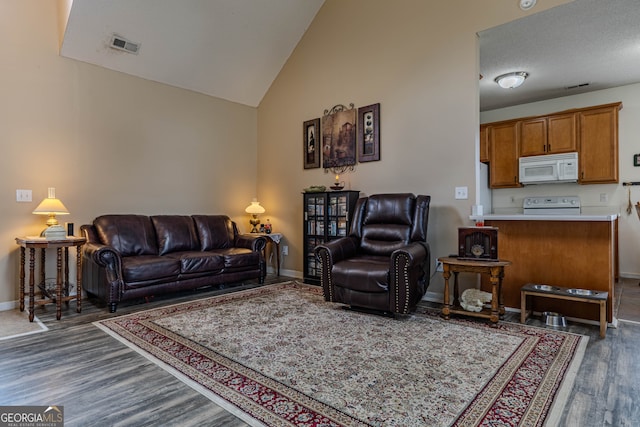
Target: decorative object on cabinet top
[(315, 189)]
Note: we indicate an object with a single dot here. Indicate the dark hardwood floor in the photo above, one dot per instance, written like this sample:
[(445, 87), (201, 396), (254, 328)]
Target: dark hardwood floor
[(101, 382)]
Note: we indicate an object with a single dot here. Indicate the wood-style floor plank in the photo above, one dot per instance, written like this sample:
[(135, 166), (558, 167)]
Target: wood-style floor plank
[(101, 382)]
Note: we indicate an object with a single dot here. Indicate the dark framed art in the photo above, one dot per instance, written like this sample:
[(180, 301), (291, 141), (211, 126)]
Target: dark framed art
[(369, 133), (339, 137), (310, 130)]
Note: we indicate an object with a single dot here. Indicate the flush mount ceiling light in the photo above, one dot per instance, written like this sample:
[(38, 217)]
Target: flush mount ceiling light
[(511, 80), (527, 4)]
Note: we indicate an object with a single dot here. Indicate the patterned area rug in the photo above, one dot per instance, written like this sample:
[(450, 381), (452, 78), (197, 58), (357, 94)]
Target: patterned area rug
[(280, 356)]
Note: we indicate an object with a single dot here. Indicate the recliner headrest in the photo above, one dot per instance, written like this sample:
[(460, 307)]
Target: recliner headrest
[(390, 209)]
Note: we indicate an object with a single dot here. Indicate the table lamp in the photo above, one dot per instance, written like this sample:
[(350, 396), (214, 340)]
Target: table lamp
[(52, 207), (254, 209)]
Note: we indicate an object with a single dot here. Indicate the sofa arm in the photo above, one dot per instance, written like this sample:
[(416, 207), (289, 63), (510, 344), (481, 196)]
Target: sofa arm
[(410, 267), (330, 253), (337, 250), (106, 257), (254, 242)]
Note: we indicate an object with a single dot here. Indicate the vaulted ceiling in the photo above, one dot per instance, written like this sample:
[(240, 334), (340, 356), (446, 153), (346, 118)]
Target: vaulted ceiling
[(234, 49), (230, 49)]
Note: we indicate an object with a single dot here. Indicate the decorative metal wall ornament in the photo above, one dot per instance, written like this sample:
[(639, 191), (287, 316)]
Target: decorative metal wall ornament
[(339, 139)]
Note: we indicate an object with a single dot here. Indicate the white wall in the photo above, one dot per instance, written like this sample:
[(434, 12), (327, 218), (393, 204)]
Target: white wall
[(590, 195)]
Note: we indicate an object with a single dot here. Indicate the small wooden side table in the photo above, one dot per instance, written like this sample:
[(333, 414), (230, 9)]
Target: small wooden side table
[(32, 243), (274, 238), (495, 270)]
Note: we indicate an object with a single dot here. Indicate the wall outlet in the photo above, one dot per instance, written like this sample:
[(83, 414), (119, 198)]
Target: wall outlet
[(439, 266), (285, 250), (462, 193)]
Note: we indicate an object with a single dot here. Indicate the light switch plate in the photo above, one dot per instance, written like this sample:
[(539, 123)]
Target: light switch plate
[(23, 196)]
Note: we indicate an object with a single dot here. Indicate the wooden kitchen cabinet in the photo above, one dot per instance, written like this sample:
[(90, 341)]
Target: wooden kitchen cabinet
[(548, 135), (591, 131), (598, 158), (503, 154), (484, 144)]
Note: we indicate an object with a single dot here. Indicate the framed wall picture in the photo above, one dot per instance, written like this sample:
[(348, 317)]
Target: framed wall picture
[(339, 137), (369, 133), (310, 130)]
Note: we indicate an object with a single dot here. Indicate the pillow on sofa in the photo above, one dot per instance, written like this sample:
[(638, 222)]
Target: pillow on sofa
[(127, 234), (215, 231), (175, 233)]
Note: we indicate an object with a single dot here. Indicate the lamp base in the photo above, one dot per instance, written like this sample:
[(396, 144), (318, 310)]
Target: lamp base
[(254, 222), (54, 232)]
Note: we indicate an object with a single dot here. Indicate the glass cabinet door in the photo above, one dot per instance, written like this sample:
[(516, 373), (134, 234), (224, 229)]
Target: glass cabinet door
[(326, 217)]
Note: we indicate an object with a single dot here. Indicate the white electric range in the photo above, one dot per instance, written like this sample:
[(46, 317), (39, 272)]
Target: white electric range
[(551, 205)]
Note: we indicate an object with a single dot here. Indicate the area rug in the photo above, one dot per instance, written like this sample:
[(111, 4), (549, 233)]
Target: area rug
[(279, 355)]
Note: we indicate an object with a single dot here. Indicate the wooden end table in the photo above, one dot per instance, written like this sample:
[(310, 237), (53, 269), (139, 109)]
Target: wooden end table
[(495, 270), (274, 239), (32, 243)]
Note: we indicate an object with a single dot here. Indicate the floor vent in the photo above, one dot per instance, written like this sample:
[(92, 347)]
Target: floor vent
[(121, 43)]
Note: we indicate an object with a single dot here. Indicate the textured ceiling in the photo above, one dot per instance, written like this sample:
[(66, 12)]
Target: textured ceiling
[(584, 41), (230, 49)]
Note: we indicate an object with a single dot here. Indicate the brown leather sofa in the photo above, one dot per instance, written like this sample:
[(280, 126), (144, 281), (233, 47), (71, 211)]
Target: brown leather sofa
[(134, 256), (383, 265)]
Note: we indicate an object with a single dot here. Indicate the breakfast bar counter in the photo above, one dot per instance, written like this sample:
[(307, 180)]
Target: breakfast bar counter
[(572, 251)]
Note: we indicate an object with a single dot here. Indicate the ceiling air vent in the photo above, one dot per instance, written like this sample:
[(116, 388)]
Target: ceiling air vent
[(120, 43), (577, 86)]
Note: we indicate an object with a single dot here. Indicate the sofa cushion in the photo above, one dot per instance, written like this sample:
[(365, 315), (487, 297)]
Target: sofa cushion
[(198, 262), (149, 267), (127, 234), (175, 233), (362, 273), (214, 231), (239, 257)]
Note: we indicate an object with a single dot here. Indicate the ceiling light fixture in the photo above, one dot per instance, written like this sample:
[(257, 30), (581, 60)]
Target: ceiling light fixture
[(527, 4), (511, 80)]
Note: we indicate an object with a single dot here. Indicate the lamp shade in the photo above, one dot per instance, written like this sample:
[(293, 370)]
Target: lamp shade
[(511, 80), (254, 208), (52, 207)]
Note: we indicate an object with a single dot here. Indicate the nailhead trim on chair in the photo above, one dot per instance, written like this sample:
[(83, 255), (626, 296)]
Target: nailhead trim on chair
[(324, 275), (405, 310)]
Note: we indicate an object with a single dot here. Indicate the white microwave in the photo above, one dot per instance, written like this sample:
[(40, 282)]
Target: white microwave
[(550, 168)]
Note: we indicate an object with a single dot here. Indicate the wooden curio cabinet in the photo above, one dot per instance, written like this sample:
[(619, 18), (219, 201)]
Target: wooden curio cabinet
[(327, 216)]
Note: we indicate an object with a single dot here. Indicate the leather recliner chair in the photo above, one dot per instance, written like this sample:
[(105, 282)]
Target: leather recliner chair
[(384, 263)]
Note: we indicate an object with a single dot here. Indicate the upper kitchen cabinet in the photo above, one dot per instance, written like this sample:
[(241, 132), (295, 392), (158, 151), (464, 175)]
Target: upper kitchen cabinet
[(548, 135), (503, 154), (598, 158), (590, 131), (484, 144)]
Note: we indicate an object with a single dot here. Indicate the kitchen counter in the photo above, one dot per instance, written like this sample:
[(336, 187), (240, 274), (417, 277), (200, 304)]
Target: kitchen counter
[(523, 217), (571, 251)]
